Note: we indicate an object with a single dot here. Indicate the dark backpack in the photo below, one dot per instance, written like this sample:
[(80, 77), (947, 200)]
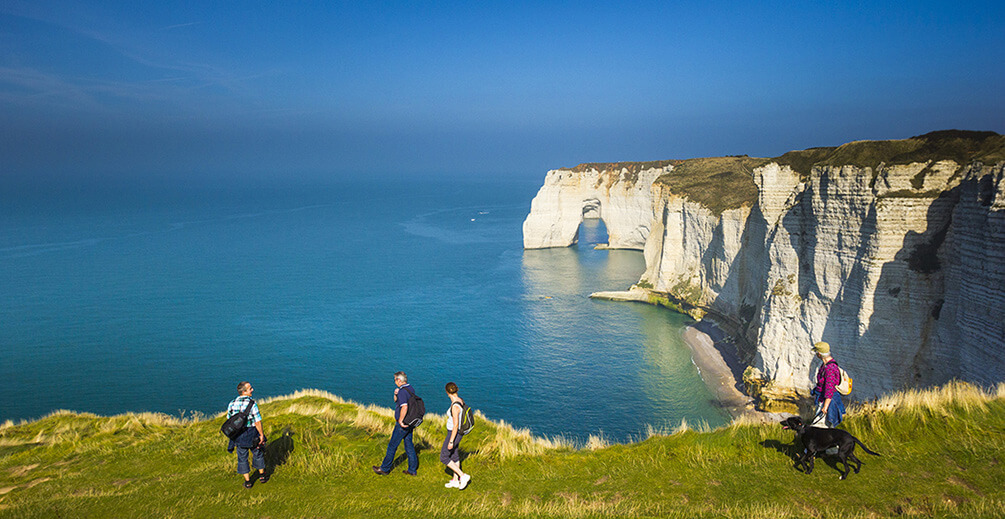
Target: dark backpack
[(238, 423), (467, 419), (416, 409)]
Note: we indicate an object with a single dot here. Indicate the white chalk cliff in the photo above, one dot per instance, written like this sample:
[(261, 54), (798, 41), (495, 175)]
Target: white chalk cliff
[(619, 195), (892, 251)]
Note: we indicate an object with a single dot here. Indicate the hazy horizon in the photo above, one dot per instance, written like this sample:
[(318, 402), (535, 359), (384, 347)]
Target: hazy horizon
[(195, 92)]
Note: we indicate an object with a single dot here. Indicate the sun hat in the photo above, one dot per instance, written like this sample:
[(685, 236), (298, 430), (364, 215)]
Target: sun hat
[(822, 347)]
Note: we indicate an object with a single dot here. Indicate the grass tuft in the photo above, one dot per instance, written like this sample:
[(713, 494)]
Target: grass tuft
[(939, 400), (597, 441)]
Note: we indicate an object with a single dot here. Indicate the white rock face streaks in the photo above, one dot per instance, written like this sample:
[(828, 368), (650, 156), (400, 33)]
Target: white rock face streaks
[(907, 283), (620, 196), (900, 267), (971, 313)]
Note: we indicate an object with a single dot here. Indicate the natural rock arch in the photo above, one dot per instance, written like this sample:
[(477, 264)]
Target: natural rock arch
[(621, 200)]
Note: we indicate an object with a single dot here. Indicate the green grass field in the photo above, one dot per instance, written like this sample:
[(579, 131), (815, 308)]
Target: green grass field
[(942, 456)]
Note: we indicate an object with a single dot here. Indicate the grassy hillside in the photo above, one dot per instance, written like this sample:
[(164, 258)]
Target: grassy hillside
[(718, 183), (943, 455), (962, 147)]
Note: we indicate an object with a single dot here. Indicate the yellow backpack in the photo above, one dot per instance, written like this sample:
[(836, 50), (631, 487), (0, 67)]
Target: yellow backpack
[(844, 387)]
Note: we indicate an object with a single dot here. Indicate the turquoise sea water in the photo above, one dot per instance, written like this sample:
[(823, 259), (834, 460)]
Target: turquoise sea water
[(118, 300)]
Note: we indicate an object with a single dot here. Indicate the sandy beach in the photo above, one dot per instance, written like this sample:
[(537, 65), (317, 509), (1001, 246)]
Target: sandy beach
[(721, 369), (714, 354)]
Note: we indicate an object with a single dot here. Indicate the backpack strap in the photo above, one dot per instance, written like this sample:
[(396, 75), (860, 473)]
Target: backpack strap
[(409, 389), (251, 402)]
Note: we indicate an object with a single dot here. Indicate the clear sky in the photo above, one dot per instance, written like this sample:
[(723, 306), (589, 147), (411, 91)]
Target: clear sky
[(301, 90)]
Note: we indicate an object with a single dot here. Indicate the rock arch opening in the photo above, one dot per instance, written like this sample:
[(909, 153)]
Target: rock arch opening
[(592, 229)]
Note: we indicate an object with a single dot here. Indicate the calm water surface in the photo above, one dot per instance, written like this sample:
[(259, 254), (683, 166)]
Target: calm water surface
[(114, 300)]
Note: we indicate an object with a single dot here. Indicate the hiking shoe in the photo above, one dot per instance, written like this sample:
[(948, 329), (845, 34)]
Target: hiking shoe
[(453, 483), (379, 472), (406, 471), (264, 479), (464, 481), (249, 484)]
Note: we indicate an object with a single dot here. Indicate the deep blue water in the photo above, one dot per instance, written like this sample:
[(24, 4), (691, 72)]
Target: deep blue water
[(115, 300)]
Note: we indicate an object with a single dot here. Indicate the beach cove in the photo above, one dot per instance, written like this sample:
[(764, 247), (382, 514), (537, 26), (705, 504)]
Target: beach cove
[(715, 356)]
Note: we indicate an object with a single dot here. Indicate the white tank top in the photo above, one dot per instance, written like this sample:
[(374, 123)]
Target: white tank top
[(450, 416)]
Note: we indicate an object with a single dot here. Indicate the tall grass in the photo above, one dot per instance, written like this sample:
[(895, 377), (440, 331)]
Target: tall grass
[(505, 441), (939, 399), (318, 393)]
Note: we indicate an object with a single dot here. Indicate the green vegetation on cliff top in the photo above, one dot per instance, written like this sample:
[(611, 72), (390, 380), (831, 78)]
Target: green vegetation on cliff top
[(722, 183), (718, 183), (962, 147), (943, 455)]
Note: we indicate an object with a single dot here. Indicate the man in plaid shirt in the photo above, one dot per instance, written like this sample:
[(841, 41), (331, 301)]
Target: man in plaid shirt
[(252, 439)]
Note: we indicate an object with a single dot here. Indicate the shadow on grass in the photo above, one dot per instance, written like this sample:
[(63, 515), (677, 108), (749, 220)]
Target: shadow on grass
[(461, 455), (420, 446), (277, 452), (795, 449), (792, 450)]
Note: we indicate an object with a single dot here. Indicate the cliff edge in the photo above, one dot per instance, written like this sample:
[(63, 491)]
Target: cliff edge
[(892, 251)]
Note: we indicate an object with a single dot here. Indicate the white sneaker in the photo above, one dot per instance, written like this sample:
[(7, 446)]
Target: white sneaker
[(464, 481), (453, 483)]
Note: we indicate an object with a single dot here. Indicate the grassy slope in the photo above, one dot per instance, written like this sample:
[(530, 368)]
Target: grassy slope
[(718, 183), (943, 454), (963, 147)]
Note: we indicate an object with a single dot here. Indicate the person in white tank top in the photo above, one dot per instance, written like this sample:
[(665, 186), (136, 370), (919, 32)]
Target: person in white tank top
[(449, 454)]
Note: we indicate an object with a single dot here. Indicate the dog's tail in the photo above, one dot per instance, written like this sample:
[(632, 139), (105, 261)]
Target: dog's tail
[(866, 449)]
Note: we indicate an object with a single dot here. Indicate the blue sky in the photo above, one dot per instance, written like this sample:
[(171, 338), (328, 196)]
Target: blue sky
[(308, 90)]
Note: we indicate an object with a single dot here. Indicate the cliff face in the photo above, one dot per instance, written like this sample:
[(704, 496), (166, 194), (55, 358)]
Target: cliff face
[(892, 251), (905, 282)]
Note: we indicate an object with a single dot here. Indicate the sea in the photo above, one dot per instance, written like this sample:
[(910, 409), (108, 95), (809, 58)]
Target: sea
[(123, 298)]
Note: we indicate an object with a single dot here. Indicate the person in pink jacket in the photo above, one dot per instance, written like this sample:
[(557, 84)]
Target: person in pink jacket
[(830, 408)]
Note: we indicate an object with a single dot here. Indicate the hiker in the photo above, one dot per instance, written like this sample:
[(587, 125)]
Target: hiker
[(830, 408), (252, 439), (450, 454), (401, 431)]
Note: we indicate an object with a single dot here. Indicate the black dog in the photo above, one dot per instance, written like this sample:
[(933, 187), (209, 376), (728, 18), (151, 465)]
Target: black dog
[(817, 440)]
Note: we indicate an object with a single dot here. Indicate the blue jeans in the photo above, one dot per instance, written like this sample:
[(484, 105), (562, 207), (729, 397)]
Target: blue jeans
[(835, 413), (257, 459), (392, 448)]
